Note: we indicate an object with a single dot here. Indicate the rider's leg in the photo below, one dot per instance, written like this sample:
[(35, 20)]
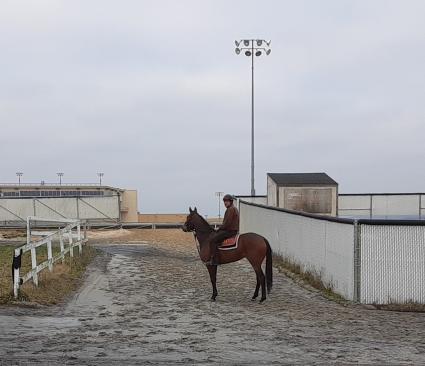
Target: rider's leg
[(215, 242)]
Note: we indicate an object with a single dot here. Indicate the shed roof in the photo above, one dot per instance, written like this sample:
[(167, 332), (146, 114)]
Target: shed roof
[(302, 179)]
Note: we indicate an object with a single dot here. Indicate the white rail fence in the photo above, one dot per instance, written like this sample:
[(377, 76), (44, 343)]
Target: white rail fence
[(369, 261), (65, 236)]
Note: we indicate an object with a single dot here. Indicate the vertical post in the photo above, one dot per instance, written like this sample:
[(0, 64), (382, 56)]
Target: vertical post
[(85, 230), (16, 266), (34, 266), (252, 118), (357, 261), (62, 246), (49, 254), (71, 249), (78, 207), (370, 206), (80, 248), (28, 230)]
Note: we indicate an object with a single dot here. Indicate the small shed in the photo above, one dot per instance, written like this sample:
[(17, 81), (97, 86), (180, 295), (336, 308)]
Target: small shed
[(308, 192)]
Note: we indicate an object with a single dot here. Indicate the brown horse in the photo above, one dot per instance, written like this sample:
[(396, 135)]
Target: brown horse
[(251, 246)]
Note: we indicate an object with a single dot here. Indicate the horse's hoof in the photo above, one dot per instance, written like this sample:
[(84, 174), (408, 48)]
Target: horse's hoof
[(212, 298), (262, 300), (253, 298)]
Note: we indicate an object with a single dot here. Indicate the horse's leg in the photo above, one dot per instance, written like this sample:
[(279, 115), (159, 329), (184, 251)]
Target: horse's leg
[(257, 287), (263, 283), (261, 279), (213, 276)]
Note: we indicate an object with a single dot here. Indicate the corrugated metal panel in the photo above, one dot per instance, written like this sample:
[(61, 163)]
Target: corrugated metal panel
[(392, 264)]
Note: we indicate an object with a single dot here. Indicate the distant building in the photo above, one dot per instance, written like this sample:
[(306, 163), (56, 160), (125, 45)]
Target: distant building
[(307, 192), (80, 201)]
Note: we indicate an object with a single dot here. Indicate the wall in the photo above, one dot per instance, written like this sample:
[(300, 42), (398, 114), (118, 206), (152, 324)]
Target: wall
[(163, 218), (383, 205), (92, 208), (271, 192), (261, 200), (323, 246), (322, 200), (129, 212), (370, 261)]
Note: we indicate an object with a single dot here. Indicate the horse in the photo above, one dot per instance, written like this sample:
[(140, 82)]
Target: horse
[(251, 246)]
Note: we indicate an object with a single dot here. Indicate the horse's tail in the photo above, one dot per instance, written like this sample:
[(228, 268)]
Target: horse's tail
[(269, 266)]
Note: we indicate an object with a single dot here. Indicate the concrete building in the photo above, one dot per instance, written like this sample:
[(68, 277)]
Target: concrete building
[(308, 192), (72, 201)]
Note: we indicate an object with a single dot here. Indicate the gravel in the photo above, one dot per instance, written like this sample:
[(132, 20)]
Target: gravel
[(146, 301)]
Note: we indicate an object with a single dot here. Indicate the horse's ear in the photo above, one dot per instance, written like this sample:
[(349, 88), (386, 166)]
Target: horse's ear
[(195, 210), (190, 209)]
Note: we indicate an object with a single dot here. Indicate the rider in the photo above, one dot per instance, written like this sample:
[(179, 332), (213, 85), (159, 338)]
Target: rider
[(228, 229)]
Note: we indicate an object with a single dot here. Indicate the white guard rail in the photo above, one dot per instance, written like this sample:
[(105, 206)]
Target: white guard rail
[(64, 234)]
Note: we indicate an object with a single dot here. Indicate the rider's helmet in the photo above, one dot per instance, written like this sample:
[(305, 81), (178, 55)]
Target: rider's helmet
[(228, 197)]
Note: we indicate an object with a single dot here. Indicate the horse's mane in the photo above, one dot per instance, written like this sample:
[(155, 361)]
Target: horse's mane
[(204, 221)]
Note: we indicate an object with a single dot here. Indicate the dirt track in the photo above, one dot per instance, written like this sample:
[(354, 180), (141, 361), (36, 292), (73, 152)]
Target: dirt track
[(149, 304)]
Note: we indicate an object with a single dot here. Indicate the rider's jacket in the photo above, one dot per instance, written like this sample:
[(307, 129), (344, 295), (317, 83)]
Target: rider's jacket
[(231, 220)]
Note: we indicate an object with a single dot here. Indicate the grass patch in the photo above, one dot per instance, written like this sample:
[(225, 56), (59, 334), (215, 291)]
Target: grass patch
[(409, 306), (314, 279), (53, 286)]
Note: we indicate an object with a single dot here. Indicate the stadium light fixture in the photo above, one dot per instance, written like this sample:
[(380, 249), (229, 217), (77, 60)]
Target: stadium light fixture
[(100, 175), (19, 175), (60, 175)]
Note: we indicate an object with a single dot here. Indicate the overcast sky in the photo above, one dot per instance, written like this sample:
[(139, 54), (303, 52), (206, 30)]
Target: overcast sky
[(152, 94)]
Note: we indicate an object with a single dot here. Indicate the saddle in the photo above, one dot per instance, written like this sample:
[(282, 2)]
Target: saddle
[(231, 243)]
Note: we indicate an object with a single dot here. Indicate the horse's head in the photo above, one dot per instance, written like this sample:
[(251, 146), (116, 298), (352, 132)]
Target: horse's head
[(189, 225)]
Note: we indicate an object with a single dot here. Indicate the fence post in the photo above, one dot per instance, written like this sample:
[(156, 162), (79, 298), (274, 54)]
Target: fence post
[(28, 230), (16, 266), (62, 246), (71, 249), (49, 254), (80, 248), (34, 266), (357, 261)]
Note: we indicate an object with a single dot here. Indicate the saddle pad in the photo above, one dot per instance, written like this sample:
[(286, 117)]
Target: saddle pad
[(231, 243)]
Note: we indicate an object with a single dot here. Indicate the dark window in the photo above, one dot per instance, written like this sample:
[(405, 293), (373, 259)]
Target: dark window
[(10, 194)]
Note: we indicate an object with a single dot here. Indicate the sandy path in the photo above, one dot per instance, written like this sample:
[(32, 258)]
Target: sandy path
[(149, 304)]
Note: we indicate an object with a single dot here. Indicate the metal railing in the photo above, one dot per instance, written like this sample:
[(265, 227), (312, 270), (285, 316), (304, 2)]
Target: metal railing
[(49, 184), (47, 239)]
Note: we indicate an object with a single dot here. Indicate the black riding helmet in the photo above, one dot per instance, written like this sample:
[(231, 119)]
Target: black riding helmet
[(228, 197)]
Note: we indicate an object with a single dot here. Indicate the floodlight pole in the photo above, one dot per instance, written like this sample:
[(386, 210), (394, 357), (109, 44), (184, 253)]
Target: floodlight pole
[(252, 118), (258, 49)]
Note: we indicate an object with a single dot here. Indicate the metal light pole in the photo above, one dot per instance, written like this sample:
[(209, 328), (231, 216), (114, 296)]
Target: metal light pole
[(19, 174), (100, 177), (251, 47), (60, 175), (219, 194)]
